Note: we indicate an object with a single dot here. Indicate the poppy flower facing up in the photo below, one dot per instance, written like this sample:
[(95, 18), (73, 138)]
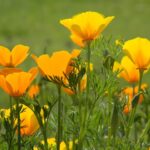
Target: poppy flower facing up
[(57, 65), (127, 70), (13, 58), (130, 93), (86, 26), (16, 83), (138, 50)]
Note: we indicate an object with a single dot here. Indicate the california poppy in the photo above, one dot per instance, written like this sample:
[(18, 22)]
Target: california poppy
[(55, 65), (28, 121), (127, 70), (138, 50), (16, 83), (13, 58), (86, 26)]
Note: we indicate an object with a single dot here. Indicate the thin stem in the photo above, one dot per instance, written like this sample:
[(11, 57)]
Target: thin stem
[(11, 124), (86, 104), (88, 71), (42, 127), (45, 137), (59, 128), (132, 116), (18, 115)]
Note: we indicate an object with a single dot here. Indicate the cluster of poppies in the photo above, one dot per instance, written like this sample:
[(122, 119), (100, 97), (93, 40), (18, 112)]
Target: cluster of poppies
[(58, 67)]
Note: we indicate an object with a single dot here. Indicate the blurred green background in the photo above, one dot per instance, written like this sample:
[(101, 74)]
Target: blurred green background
[(36, 22)]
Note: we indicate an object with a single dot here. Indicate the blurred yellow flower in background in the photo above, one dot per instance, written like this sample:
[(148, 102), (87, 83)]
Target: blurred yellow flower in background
[(13, 58), (63, 145), (138, 50), (127, 70), (86, 26)]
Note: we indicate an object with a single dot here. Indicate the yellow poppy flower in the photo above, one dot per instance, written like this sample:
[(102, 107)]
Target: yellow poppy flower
[(28, 121), (128, 70), (138, 50), (130, 92), (13, 58), (56, 65), (33, 91), (86, 26), (16, 83)]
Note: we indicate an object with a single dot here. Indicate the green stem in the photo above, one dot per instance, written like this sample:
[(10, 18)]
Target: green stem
[(146, 129), (42, 127), (131, 118), (18, 116), (59, 128), (10, 147), (88, 72), (86, 104)]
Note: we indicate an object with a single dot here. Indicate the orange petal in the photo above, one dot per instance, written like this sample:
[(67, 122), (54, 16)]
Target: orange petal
[(34, 72), (18, 82), (4, 56), (19, 54), (6, 71), (4, 85)]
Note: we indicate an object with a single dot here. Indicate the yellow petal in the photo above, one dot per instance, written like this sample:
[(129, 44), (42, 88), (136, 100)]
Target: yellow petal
[(77, 40), (83, 29), (130, 72), (75, 53), (29, 123), (138, 49)]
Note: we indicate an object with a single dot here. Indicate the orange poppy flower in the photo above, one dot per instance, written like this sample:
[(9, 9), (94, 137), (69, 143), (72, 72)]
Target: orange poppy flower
[(128, 70), (33, 91), (55, 65), (16, 83), (13, 58), (138, 50), (86, 26), (130, 92)]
